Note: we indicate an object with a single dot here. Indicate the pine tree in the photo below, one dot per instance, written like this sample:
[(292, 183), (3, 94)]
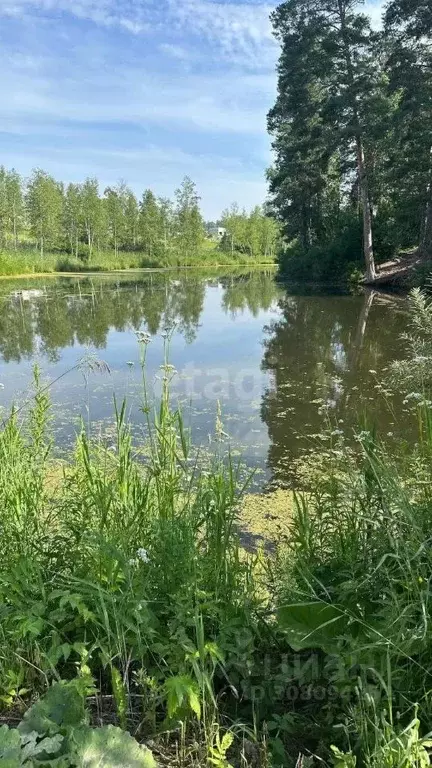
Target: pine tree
[(409, 66), (326, 75)]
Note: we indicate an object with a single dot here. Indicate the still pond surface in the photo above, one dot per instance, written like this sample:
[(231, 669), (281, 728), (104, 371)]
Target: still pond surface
[(281, 365)]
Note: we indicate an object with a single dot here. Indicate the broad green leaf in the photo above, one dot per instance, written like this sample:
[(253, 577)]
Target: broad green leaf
[(194, 702), (45, 749), (10, 747), (312, 625), (62, 705), (109, 747), (181, 688)]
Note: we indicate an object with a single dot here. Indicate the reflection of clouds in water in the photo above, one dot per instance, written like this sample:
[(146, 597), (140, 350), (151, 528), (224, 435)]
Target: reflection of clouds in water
[(338, 355)]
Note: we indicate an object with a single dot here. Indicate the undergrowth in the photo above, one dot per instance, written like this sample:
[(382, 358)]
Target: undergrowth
[(28, 261), (128, 573)]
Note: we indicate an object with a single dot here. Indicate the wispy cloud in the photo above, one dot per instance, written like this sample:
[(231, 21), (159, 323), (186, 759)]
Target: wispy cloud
[(240, 30), (70, 91)]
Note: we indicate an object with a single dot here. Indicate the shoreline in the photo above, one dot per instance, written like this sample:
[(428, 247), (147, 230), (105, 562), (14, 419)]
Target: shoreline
[(136, 270)]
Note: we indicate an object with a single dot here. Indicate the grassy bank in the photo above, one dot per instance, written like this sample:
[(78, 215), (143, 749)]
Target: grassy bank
[(23, 262), (122, 572)]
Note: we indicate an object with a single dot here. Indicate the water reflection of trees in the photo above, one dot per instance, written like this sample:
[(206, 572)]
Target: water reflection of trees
[(324, 350), (254, 292), (61, 313)]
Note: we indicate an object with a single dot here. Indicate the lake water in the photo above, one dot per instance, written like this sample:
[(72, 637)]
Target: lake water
[(280, 364)]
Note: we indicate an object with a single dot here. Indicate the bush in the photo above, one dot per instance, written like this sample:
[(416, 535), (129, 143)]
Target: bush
[(331, 262), (55, 731)]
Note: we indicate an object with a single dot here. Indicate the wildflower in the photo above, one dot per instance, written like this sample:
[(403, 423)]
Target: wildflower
[(336, 432), (143, 337), (414, 396), (168, 368), (133, 562), (143, 555), (371, 370), (130, 363), (389, 434)]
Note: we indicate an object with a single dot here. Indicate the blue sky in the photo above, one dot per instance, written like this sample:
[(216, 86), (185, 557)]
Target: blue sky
[(141, 90)]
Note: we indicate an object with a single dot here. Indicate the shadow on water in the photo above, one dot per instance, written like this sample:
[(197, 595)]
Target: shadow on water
[(327, 356)]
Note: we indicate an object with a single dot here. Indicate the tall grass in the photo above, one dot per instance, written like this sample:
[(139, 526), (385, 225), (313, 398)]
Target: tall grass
[(130, 567), (126, 565), (29, 261)]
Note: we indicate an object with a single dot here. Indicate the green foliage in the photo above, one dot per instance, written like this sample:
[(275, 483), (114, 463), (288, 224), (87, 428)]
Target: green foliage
[(413, 373), (219, 749), (256, 234), (129, 571), (351, 135), (312, 625), (61, 707), (125, 570), (110, 747), (188, 222), (333, 262), (54, 733), (75, 229), (44, 205)]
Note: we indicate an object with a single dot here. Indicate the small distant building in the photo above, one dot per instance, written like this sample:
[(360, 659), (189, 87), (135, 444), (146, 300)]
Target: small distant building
[(215, 232)]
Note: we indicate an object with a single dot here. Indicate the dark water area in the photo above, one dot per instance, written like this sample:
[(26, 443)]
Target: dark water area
[(280, 364)]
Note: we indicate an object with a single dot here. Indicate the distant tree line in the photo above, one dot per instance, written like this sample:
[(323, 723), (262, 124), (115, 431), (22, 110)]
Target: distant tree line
[(76, 219), (352, 131), (255, 233)]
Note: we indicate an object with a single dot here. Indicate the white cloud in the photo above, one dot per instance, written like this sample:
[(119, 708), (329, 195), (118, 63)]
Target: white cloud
[(132, 95), (104, 12), (241, 31)]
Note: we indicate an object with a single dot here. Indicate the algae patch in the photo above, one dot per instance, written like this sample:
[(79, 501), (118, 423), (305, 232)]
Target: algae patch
[(265, 518)]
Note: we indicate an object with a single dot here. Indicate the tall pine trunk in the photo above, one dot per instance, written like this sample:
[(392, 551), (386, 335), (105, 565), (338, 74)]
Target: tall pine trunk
[(361, 164), (366, 211)]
